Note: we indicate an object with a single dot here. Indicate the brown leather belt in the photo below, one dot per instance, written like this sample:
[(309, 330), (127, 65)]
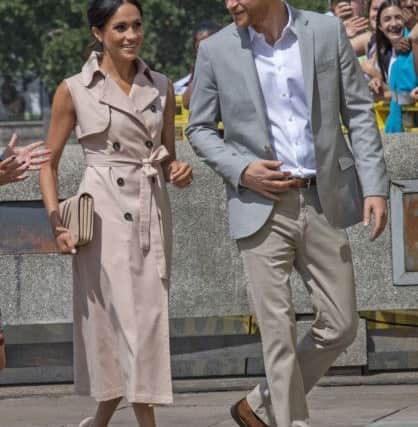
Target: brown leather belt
[(303, 182)]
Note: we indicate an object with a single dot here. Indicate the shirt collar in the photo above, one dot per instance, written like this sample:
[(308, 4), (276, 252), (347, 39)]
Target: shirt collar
[(92, 68), (254, 35)]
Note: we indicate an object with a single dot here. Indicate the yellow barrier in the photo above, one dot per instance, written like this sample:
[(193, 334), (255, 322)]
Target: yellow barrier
[(381, 110), (182, 119), (390, 319)]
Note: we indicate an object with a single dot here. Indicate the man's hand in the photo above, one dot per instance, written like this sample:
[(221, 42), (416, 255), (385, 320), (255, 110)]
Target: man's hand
[(33, 155), (376, 206), (356, 25), (263, 176)]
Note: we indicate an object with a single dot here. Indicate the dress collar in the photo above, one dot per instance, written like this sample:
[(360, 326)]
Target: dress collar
[(92, 67)]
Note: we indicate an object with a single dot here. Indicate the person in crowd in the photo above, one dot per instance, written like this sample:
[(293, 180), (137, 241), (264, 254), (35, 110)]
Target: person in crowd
[(280, 79), (397, 69), (123, 115), (204, 30), (12, 100), (351, 13)]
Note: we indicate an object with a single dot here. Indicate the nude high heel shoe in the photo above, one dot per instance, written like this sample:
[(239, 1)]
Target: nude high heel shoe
[(87, 422)]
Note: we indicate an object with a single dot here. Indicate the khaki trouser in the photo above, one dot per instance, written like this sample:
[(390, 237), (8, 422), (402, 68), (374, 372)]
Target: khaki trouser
[(298, 234)]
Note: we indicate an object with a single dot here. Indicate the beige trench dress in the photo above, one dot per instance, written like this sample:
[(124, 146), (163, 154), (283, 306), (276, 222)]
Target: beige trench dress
[(121, 336)]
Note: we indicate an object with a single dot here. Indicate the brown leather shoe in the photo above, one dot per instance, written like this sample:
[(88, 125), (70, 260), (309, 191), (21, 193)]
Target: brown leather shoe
[(244, 416)]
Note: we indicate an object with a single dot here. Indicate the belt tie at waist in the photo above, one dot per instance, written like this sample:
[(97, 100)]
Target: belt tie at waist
[(150, 169), (145, 196)]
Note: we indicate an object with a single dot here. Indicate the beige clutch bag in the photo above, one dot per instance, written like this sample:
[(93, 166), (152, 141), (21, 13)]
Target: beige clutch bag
[(77, 214)]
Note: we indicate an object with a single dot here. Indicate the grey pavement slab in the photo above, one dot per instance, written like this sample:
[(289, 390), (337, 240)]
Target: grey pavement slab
[(356, 406)]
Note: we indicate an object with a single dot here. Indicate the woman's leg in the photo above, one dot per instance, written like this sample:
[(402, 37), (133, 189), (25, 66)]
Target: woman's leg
[(144, 414), (104, 412)]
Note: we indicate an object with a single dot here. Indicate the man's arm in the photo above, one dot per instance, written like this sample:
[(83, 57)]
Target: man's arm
[(202, 130), (358, 116)]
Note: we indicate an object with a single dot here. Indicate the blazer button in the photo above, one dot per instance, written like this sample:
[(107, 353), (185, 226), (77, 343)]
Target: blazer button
[(149, 144), (128, 217), (121, 182), (153, 108), (116, 146)]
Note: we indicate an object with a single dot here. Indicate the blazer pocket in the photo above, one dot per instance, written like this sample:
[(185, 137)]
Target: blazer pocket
[(346, 162), (326, 65)]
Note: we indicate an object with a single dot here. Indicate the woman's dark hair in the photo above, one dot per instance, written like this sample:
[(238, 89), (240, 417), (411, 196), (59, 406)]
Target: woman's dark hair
[(100, 11), (206, 26), (383, 45)]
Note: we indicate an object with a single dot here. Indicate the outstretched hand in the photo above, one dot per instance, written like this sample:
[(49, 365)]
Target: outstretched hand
[(12, 170), (32, 156), (376, 207)]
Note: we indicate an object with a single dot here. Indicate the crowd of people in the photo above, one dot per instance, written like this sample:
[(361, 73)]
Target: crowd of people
[(384, 36), (386, 46)]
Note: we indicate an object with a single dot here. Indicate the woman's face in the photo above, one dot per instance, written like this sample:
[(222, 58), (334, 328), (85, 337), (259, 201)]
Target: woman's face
[(392, 24), (123, 34), (374, 7)]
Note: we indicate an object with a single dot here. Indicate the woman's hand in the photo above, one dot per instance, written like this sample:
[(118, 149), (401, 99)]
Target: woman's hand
[(33, 156), (376, 86), (64, 241), (403, 45), (179, 173), (11, 170), (414, 95), (356, 25)]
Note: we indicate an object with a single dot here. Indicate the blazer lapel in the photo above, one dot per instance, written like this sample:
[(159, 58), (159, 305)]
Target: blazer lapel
[(249, 70), (306, 46)]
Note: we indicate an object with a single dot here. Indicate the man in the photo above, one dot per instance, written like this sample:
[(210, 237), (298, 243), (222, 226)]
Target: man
[(280, 79)]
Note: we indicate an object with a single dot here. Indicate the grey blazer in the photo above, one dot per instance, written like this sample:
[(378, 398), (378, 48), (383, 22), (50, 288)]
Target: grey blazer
[(226, 87)]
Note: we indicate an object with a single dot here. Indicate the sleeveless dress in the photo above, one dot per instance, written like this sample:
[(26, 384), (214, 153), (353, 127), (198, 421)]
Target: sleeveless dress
[(121, 332)]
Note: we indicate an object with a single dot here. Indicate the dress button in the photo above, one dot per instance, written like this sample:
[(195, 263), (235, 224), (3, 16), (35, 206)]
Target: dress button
[(149, 144), (153, 108), (128, 217), (121, 182), (116, 146)]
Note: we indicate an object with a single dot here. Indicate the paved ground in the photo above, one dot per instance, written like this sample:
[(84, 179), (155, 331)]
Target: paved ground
[(347, 406)]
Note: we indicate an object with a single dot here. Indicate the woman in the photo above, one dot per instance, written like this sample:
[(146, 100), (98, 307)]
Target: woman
[(397, 69), (123, 115)]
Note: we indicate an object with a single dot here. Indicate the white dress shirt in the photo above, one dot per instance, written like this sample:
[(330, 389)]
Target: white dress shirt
[(279, 70)]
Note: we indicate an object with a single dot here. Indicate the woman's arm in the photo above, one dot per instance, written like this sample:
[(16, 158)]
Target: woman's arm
[(413, 36), (63, 119), (177, 172), (188, 93)]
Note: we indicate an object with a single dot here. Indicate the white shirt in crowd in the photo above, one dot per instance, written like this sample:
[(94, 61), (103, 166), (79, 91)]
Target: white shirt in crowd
[(279, 70), (180, 86)]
